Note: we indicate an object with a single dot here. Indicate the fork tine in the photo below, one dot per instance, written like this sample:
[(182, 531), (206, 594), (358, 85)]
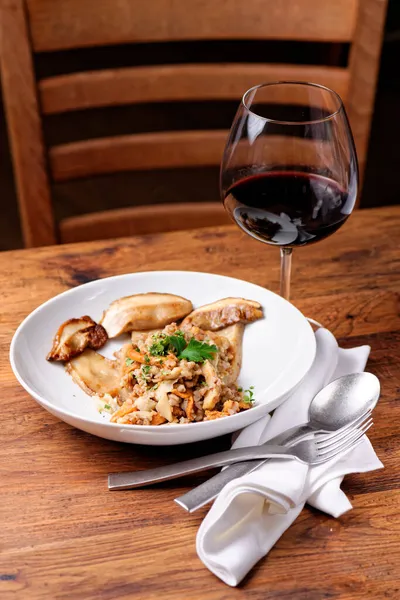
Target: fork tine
[(348, 439), (326, 445), (346, 444), (326, 439), (342, 451), (324, 459)]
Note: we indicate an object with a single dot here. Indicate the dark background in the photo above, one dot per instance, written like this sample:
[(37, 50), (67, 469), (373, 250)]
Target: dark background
[(381, 186)]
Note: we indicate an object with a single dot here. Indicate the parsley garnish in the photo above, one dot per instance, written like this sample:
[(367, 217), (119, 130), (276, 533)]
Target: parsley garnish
[(197, 351), (107, 407), (194, 351), (177, 341), (249, 395), (146, 369), (147, 359), (160, 345), (163, 344), (128, 362)]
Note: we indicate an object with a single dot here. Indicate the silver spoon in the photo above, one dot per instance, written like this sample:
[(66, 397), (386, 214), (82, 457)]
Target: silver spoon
[(335, 408)]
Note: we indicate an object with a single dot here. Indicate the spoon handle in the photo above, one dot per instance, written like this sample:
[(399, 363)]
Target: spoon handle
[(209, 490)]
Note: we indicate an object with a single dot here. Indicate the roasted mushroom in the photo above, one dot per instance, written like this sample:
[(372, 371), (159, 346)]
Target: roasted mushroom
[(188, 372), (223, 313), (94, 373), (234, 333), (163, 406), (143, 312), (214, 386), (74, 336)]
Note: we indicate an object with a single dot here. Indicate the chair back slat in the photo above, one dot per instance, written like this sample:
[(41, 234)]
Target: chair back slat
[(137, 220), (141, 152), (39, 26), (83, 23), (169, 83)]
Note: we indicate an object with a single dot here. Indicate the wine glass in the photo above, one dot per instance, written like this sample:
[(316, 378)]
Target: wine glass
[(289, 173)]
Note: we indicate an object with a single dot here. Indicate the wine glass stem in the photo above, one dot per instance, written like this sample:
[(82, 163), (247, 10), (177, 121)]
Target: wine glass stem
[(286, 269)]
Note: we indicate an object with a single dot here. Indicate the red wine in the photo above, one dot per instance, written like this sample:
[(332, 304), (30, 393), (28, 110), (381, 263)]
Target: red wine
[(289, 208)]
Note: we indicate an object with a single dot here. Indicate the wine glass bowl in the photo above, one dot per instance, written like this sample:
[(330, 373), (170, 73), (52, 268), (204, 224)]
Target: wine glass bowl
[(289, 173)]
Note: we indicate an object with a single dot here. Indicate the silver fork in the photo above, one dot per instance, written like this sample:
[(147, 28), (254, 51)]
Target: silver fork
[(208, 490), (313, 452)]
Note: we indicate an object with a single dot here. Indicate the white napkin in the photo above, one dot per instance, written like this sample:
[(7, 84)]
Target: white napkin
[(252, 512)]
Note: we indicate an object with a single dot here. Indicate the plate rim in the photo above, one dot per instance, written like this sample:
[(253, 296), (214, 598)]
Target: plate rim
[(132, 427)]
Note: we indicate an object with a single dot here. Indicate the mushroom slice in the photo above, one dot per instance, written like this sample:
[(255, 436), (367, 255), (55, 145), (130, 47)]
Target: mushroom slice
[(74, 336), (214, 384), (143, 312), (95, 373), (223, 313), (163, 406), (234, 333)]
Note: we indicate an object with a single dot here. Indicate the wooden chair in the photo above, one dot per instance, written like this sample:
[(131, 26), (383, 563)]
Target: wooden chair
[(35, 26)]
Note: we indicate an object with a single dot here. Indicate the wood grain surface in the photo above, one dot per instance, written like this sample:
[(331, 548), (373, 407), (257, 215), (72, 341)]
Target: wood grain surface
[(64, 535)]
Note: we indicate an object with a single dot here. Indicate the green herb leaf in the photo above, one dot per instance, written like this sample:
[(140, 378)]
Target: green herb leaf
[(197, 351), (163, 344), (146, 369), (128, 362), (160, 345), (137, 348), (249, 395), (178, 342), (193, 351), (147, 359), (157, 349), (107, 407)]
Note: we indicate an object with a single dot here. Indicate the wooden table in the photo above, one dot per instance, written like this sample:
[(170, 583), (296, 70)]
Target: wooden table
[(64, 535)]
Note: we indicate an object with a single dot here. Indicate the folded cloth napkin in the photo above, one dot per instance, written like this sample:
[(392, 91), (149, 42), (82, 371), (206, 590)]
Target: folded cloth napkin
[(252, 512)]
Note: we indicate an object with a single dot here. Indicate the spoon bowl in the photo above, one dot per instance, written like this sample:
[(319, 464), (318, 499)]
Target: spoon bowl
[(344, 400)]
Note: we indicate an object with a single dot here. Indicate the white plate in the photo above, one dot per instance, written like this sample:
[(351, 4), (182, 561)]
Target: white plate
[(278, 351)]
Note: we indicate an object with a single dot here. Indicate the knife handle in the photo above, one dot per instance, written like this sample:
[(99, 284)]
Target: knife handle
[(126, 481)]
